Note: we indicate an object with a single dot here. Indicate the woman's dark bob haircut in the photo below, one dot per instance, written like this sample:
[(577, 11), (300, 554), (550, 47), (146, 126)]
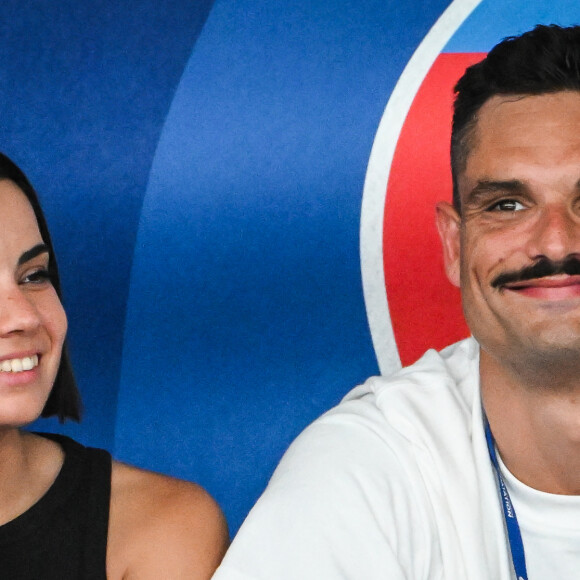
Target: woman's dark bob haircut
[(64, 400)]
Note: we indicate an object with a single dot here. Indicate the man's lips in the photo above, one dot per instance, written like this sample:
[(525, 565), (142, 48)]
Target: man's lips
[(559, 287)]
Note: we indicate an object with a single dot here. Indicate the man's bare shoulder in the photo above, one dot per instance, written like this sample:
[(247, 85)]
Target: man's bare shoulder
[(161, 527)]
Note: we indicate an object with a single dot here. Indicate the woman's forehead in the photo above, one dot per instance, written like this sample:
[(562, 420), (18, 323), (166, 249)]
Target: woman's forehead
[(17, 219)]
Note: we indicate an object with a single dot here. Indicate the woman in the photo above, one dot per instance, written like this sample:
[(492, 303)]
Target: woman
[(67, 511)]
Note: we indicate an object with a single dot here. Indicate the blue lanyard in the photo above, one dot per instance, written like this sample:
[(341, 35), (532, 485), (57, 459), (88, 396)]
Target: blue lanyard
[(513, 528)]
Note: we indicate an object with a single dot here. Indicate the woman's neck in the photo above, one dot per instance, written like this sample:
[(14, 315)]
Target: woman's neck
[(29, 465)]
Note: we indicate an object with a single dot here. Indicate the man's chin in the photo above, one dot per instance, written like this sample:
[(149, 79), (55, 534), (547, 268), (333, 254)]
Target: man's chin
[(541, 350), (544, 357)]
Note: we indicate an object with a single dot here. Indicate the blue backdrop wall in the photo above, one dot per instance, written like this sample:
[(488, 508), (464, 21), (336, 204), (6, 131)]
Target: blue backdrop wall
[(202, 167)]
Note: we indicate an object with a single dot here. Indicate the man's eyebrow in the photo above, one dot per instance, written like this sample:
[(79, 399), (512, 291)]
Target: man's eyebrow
[(32, 253), (487, 188)]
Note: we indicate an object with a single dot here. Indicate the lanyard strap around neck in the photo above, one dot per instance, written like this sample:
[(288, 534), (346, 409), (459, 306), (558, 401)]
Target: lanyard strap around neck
[(513, 528)]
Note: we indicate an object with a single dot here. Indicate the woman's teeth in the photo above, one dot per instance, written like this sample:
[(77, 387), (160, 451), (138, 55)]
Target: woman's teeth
[(17, 365)]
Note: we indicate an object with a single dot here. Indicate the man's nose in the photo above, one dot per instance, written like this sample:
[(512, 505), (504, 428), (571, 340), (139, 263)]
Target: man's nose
[(556, 233), (18, 313)]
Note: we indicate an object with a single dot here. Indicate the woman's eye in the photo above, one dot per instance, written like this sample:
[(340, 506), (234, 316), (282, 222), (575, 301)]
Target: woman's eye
[(39, 276), (506, 205)]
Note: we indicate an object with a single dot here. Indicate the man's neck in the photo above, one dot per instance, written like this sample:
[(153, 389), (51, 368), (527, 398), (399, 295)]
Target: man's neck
[(536, 428)]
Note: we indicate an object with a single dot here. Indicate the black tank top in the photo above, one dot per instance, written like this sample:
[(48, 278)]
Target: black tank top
[(64, 535)]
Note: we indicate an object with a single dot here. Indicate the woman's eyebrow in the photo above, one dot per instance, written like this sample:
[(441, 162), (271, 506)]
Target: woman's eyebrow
[(32, 253)]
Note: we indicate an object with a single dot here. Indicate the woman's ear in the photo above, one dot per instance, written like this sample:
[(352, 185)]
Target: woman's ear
[(448, 226)]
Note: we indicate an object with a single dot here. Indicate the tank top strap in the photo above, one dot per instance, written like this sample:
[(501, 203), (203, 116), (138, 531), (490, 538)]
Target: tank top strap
[(98, 477), (95, 487)]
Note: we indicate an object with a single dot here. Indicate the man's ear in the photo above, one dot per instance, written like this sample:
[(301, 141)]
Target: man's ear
[(448, 225)]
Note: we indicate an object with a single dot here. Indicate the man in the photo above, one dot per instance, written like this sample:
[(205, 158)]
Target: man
[(465, 465)]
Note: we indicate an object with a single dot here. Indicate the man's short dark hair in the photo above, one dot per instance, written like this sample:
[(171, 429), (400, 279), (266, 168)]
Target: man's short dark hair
[(64, 400), (543, 60)]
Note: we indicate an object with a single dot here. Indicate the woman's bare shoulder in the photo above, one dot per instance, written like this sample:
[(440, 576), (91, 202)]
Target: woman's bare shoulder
[(162, 527)]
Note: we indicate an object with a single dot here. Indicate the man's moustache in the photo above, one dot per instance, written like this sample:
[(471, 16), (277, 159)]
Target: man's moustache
[(540, 269)]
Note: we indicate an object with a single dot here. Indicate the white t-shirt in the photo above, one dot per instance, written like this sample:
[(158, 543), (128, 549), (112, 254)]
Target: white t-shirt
[(550, 529), (395, 483)]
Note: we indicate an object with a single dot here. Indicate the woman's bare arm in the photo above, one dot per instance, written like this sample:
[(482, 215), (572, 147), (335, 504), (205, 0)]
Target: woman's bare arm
[(162, 528)]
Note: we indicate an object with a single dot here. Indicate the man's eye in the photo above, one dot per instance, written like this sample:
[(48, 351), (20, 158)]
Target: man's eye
[(40, 276), (506, 205)]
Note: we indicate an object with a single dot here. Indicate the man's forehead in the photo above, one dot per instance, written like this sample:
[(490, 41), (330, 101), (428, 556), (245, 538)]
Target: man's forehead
[(507, 124), (515, 107), (500, 112)]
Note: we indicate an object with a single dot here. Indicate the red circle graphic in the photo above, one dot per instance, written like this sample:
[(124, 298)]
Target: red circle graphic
[(425, 308)]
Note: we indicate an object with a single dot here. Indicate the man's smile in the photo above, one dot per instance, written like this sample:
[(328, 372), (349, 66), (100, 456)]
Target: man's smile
[(558, 287)]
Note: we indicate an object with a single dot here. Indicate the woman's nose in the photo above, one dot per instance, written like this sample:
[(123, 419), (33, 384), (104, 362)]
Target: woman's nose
[(18, 313)]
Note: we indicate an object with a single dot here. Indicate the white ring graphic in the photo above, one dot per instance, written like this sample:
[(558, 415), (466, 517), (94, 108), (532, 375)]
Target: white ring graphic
[(377, 176)]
